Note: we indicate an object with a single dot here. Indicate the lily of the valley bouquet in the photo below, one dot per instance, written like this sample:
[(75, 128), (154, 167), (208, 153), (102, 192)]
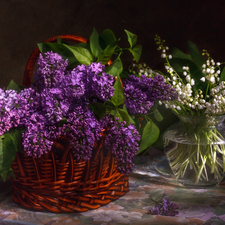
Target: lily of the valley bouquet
[(77, 95), (199, 82)]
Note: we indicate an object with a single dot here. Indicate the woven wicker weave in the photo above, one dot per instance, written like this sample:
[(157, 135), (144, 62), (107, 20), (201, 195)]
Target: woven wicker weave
[(56, 182)]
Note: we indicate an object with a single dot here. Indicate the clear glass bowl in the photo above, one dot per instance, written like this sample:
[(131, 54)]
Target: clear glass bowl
[(195, 150)]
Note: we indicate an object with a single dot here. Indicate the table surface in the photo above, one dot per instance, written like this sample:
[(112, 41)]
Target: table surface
[(196, 206)]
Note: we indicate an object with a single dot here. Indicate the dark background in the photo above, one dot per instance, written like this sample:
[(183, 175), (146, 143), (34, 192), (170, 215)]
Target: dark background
[(23, 23)]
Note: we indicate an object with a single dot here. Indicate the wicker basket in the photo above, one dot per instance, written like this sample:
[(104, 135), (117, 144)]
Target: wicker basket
[(56, 182)]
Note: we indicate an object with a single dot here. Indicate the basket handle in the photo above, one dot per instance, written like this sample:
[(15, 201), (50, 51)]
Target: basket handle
[(27, 79)]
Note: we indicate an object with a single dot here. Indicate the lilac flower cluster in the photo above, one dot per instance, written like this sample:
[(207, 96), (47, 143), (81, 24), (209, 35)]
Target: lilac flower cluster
[(82, 82), (82, 130), (165, 208), (51, 69), (142, 92), (61, 94), (28, 103), (95, 85), (57, 94), (34, 139), (9, 116), (123, 143)]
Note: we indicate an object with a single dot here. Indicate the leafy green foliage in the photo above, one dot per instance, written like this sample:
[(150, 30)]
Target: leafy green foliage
[(83, 55), (118, 97), (6, 173), (222, 75), (13, 86), (132, 38), (59, 40), (107, 53), (7, 154), (149, 136), (131, 119), (10, 143), (177, 53), (101, 49), (158, 115), (136, 52), (94, 44), (121, 114), (106, 37), (59, 48), (98, 108), (16, 137), (196, 55), (124, 116), (115, 68)]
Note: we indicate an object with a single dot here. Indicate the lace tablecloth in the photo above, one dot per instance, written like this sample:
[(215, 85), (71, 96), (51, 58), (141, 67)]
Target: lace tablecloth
[(196, 206)]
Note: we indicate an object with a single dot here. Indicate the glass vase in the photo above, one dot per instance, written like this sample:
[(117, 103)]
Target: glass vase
[(195, 150)]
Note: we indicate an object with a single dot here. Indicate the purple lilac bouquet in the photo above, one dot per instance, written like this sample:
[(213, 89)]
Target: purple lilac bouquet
[(164, 207), (78, 97)]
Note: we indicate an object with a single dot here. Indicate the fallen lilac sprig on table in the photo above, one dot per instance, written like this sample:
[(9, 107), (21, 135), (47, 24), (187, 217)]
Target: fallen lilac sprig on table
[(164, 207)]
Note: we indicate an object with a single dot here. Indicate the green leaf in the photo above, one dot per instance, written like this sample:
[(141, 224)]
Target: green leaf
[(158, 115), (137, 124), (222, 75), (74, 64), (11, 173), (83, 45), (125, 74), (125, 109), (47, 46), (98, 108), (83, 55), (16, 136), (177, 53), (106, 37), (177, 64), (4, 175), (61, 49), (155, 106), (115, 68), (21, 87), (7, 152), (107, 53), (136, 52), (113, 112), (125, 116), (132, 38), (63, 121), (118, 115), (149, 136), (118, 97), (195, 54), (121, 114), (169, 118), (59, 40), (13, 86), (94, 43)]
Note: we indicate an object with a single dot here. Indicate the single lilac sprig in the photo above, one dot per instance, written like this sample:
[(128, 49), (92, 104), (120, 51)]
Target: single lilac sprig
[(141, 93), (123, 141), (164, 207)]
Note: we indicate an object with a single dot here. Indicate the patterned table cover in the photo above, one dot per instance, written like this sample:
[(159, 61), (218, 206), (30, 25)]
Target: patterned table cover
[(196, 206)]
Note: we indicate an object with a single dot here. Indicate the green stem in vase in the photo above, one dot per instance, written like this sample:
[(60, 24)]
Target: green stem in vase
[(200, 170)]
